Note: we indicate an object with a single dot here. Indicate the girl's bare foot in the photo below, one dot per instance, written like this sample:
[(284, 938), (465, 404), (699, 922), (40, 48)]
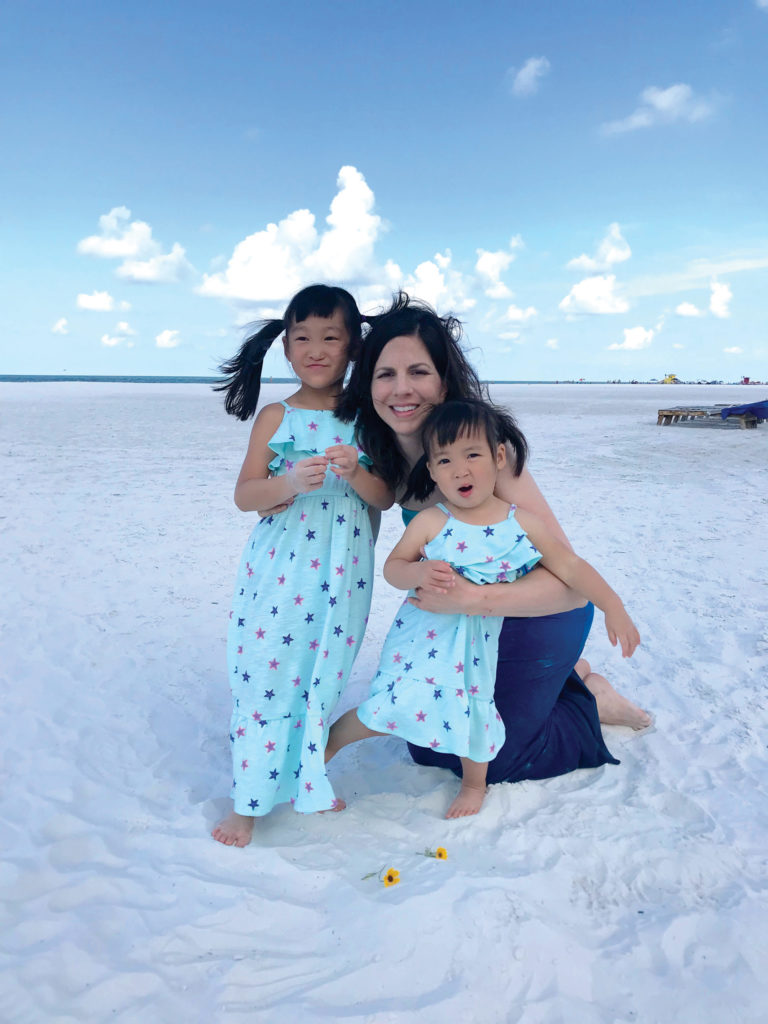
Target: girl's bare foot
[(337, 805), (612, 708), (469, 801), (235, 830)]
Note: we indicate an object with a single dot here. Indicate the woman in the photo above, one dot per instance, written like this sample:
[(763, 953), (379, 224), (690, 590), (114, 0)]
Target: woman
[(550, 701)]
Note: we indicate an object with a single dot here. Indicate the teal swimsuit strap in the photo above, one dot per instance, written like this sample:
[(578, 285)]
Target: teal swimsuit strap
[(442, 508)]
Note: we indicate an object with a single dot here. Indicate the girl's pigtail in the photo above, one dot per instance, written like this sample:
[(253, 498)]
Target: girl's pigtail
[(511, 433), (242, 373), (419, 484)]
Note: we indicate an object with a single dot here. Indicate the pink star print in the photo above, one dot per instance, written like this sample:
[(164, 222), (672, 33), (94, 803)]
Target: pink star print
[(272, 553), (434, 744), (250, 570), (296, 681), (259, 634), (473, 690), (308, 786), (256, 716), (431, 634), (298, 599), (315, 563), (269, 747), (273, 663), (350, 641), (281, 580), (339, 570), (313, 426), (391, 725), (239, 650), (241, 731), (397, 658), (420, 716), (459, 667), (244, 765), (298, 724), (461, 546), (459, 693), (313, 645)]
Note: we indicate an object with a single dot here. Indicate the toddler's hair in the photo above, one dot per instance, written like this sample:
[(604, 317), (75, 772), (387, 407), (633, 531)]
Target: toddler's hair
[(458, 418), (242, 373)]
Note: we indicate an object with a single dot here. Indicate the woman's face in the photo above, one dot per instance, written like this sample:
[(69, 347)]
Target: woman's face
[(406, 385)]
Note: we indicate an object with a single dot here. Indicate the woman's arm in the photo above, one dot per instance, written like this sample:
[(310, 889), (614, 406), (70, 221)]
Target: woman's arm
[(255, 488), (523, 491), (538, 593), (577, 573)]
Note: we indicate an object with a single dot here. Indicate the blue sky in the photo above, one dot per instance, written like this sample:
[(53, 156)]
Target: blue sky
[(584, 185)]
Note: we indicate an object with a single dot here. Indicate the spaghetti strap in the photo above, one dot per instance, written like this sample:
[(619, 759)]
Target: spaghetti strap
[(442, 508)]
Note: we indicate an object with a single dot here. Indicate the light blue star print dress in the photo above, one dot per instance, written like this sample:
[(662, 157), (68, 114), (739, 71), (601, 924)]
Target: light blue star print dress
[(434, 686), (302, 596)]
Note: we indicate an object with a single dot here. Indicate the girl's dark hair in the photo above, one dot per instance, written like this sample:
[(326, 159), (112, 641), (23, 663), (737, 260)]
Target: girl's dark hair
[(242, 373), (441, 336), (452, 420)]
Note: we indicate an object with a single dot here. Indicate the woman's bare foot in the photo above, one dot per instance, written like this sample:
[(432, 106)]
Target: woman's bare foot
[(235, 830), (612, 708), (469, 801)]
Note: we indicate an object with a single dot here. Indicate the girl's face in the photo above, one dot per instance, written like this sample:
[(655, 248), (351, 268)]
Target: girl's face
[(317, 349), (466, 470), (406, 385)]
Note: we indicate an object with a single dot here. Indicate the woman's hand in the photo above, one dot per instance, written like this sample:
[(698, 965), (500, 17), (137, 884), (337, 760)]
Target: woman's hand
[(343, 460), (307, 474)]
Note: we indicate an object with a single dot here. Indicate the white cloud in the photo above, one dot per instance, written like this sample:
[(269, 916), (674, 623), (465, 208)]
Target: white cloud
[(100, 302), (594, 295), (663, 106), (120, 239), (491, 265), (634, 338), (61, 326), (272, 264), (122, 332), (437, 283), (762, 4), (688, 309), (696, 275), (511, 336), (518, 315), (110, 340), (168, 339), (124, 328), (719, 299), (132, 242), (552, 343), (734, 350), (525, 81), (613, 249), (160, 269)]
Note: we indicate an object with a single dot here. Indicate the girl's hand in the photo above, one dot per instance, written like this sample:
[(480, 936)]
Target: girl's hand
[(343, 460), (622, 629), (308, 474), (435, 577)]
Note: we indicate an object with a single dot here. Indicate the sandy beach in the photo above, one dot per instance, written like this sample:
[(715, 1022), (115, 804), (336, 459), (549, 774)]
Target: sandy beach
[(631, 893)]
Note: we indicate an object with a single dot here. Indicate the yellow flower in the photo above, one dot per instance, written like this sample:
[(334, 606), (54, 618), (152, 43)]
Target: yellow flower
[(441, 853), (391, 877)]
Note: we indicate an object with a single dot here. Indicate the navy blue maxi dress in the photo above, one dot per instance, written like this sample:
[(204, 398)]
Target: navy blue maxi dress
[(549, 715)]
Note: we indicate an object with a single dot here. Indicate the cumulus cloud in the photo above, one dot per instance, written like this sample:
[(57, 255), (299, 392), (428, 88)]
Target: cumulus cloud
[(518, 315), (272, 264), (61, 326), (132, 241), (99, 302), (594, 295), (552, 343), (634, 338), (161, 269), (525, 80), (167, 339), (719, 300), (436, 282), (491, 265), (123, 331), (663, 106), (688, 309), (613, 249), (734, 350)]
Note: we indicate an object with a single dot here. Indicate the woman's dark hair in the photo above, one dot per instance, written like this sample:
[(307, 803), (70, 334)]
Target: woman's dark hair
[(441, 336), (452, 420), (242, 373)]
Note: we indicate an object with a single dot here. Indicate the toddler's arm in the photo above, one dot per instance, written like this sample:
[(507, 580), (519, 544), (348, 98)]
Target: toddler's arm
[(406, 569)]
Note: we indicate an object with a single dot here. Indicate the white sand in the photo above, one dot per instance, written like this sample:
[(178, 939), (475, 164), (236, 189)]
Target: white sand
[(627, 894)]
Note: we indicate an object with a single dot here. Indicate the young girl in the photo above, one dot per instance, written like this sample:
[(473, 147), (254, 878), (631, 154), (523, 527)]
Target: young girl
[(436, 675), (303, 588)]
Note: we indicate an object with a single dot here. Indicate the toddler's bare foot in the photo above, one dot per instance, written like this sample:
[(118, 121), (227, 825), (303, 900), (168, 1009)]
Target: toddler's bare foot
[(337, 805), (612, 708), (235, 830), (469, 801)]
